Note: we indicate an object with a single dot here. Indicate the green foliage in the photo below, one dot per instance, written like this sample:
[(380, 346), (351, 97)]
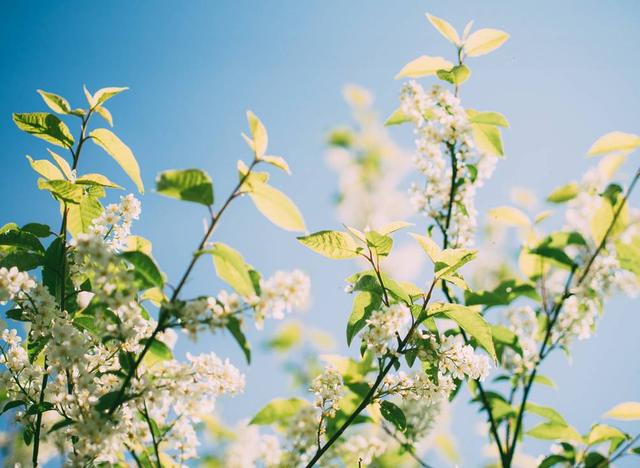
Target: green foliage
[(232, 269), (627, 411), (233, 325), (115, 148), (364, 303), (392, 413), (554, 431), (188, 184), (278, 411), (146, 272), (564, 193), (46, 126), (277, 207), (331, 244)]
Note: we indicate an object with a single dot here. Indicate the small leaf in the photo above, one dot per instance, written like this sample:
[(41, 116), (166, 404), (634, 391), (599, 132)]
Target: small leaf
[(80, 216), (277, 161), (457, 75), (509, 216), (45, 126), (331, 244), (277, 207), (488, 138), (62, 164), (398, 117), (614, 142), (37, 229), (96, 179), (62, 190), (392, 413), (188, 184), (424, 66), (432, 249), (546, 412), (564, 193), (278, 411), (602, 432), (12, 404), (484, 41), (393, 227), (56, 103), (444, 28), (259, 133), (115, 148), (489, 118), (233, 325), (364, 304), (544, 380), (104, 94), (105, 114), (555, 431), (628, 411)]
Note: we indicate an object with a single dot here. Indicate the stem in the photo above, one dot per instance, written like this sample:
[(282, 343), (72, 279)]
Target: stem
[(369, 396), (621, 452), (556, 313), (162, 317), (156, 448), (452, 194)]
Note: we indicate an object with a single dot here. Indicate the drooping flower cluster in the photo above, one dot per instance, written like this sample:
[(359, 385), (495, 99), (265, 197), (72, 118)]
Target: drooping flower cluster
[(114, 224), (444, 134), (384, 326), (328, 388), (460, 360)]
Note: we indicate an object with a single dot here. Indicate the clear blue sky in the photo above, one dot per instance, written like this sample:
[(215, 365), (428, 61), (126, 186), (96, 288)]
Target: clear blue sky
[(567, 75)]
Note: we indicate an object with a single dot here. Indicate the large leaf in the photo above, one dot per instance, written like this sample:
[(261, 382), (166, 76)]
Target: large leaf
[(188, 184), (424, 66), (104, 94), (484, 41), (115, 148), (62, 189), (614, 142), (555, 431), (278, 411), (23, 239), (46, 126), (603, 432), (364, 304), (392, 413), (469, 320), (488, 138), (489, 118), (81, 215), (331, 244), (277, 207), (232, 269), (546, 412), (145, 270)]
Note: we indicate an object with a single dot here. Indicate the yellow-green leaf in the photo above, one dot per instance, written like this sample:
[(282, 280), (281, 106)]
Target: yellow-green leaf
[(105, 114), (232, 269), (424, 66), (56, 103), (45, 126), (614, 142), (115, 148), (81, 215), (484, 41), (488, 138), (277, 207), (259, 133), (627, 411), (398, 117), (187, 184), (603, 432), (62, 164), (277, 161), (563, 193), (105, 94), (429, 246), (278, 411), (555, 431), (445, 28), (96, 179), (509, 216), (45, 168), (489, 118), (331, 244)]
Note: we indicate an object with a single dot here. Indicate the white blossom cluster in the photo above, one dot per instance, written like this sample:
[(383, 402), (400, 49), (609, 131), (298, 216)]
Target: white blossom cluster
[(384, 326), (208, 312), (13, 282), (460, 360), (360, 449), (301, 436), (522, 321), (445, 144), (251, 448), (418, 385), (328, 388), (114, 224)]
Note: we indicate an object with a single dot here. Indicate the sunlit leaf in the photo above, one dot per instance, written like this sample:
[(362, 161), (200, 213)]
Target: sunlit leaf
[(484, 41), (277, 207), (56, 103), (232, 269), (187, 184), (614, 142), (278, 411), (45, 126), (45, 168), (444, 28), (509, 216), (331, 244), (115, 148), (564, 193), (627, 411), (424, 66)]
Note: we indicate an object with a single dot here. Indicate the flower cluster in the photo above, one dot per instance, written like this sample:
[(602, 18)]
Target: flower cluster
[(328, 388), (418, 385), (444, 133), (114, 224), (460, 360), (522, 321), (384, 326), (251, 448), (361, 449), (12, 282)]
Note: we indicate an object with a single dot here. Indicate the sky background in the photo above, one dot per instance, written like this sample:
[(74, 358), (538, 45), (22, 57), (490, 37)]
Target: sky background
[(566, 76)]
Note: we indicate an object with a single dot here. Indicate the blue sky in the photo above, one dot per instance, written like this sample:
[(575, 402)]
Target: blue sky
[(564, 78)]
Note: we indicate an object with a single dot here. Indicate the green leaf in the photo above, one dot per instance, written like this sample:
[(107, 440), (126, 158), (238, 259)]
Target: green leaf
[(628, 411), (381, 244), (429, 246), (22, 260), (23, 239), (37, 229), (233, 325), (424, 66), (469, 320), (103, 95), (629, 255), (509, 216), (489, 118), (547, 413), (278, 411), (488, 138), (615, 142), (62, 190), (288, 336), (564, 193), (504, 294), (145, 271), (457, 75), (115, 148), (451, 260), (392, 413), (160, 351), (62, 164), (45, 126), (398, 117), (56, 103), (364, 304), (188, 184), (105, 114), (555, 431), (503, 337), (276, 207), (444, 28), (331, 244), (544, 380), (61, 424), (484, 41), (45, 168), (81, 215), (232, 269), (12, 404)]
